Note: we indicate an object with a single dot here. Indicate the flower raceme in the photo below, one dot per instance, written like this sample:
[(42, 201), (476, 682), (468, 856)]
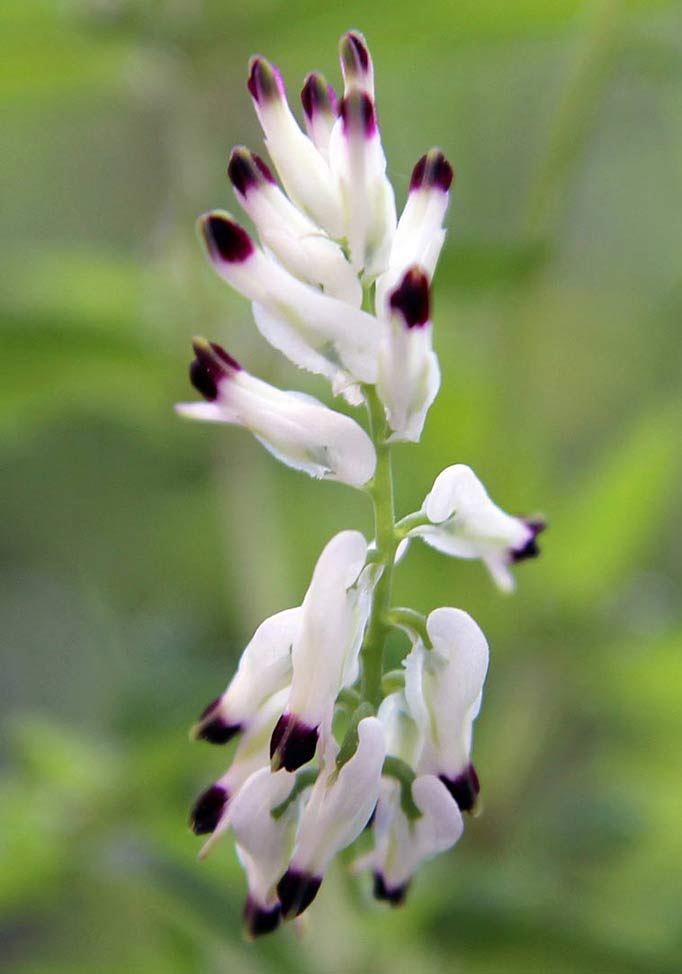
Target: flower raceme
[(328, 746)]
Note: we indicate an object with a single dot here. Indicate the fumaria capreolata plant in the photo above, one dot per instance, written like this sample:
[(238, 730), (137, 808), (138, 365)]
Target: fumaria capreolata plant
[(329, 744)]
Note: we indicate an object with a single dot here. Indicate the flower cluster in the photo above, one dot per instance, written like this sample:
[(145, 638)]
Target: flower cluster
[(329, 745)]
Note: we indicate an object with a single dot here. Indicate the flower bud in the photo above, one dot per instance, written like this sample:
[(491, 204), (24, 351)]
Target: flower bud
[(302, 169), (356, 63), (320, 109), (296, 428)]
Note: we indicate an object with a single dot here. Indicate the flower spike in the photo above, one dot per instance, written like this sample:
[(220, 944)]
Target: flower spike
[(297, 429), (330, 748)]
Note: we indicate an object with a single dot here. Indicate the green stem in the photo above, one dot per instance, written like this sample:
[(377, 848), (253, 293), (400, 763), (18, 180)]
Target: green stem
[(381, 492), (410, 619), (406, 524), (398, 769)]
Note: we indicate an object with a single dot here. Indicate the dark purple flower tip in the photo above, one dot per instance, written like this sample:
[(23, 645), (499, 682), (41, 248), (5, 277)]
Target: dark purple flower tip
[(213, 727), (354, 54), (265, 82), (357, 112), (292, 744), (433, 171), (247, 170), (211, 365), (530, 549), (412, 298), (395, 895), (464, 788), (258, 920), (318, 97), (225, 239), (208, 809), (296, 891)]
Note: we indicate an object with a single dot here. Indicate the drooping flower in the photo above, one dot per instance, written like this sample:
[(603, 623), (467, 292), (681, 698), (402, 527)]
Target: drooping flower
[(264, 669), (337, 811), (443, 688), (465, 523), (325, 651), (401, 843), (264, 843), (409, 375), (210, 813), (296, 428)]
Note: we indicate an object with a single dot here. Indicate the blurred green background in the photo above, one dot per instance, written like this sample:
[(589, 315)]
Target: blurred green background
[(139, 552)]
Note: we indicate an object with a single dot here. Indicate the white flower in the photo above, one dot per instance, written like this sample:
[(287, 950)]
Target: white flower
[(303, 170), (317, 332), (264, 669), (337, 811), (409, 375), (301, 246), (465, 523), (264, 843), (357, 159), (402, 844), (443, 688), (211, 811), (419, 235), (297, 429), (325, 651)]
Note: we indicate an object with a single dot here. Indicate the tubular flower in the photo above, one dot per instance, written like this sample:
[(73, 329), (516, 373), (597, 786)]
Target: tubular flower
[(401, 843), (465, 523), (443, 687), (210, 814), (295, 428), (264, 843), (325, 650), (337, 811), (409, 375), (329, 745), (264, 668)]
